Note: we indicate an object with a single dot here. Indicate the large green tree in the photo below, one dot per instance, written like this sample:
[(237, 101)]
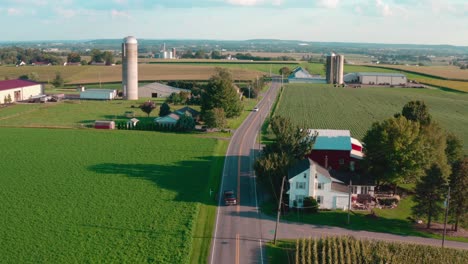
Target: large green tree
[(459, 191), (185, 123), (430, 192), (220, 93), (58, 81), (394, 151), (417, 111), (454, 150), (73, 57), (291, 144), (215, 118), (164, 110)]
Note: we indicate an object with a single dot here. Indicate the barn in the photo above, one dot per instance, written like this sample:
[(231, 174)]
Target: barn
[(336, 149), (157, 90), (19, 90), (300, 75), (376, 78)]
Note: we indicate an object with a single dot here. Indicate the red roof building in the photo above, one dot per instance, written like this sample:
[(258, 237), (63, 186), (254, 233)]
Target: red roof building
[(19, 90)]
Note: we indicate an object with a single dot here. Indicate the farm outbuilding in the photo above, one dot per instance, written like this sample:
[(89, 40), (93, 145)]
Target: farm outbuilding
[(157, 90), (99, 124), (98, 94), (19, 90), (336, 149), (376, 78), (300, 75)]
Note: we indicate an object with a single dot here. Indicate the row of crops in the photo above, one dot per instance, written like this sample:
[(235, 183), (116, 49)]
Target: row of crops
[(355, 109), (350, 250)]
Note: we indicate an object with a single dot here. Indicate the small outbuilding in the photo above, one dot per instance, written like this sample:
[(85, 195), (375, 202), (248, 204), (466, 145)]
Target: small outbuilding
[(102, 124), (300, 75), (98, 94), (171, 119), (132, 122)]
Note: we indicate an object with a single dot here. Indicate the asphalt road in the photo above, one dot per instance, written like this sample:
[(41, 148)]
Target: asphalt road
[(241, 230)]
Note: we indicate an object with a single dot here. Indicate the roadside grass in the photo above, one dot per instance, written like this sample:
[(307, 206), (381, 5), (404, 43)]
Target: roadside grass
[(86, 195), (204, 228), (392, 221), (326, 107), (280, 253)]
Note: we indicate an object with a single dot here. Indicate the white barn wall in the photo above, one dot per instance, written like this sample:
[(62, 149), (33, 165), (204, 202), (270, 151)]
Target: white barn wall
[(26, 92)]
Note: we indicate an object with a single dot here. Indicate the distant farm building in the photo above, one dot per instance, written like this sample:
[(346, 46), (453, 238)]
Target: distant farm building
[(376, 78), (336, 149), (98, 94), (19, 90), (334, 69), (300, 75), (172, 118), (158, 90), (104, 124)]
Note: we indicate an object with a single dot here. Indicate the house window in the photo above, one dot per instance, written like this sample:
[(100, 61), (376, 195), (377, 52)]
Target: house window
[(319, 199), (320, 185), (364, 190), (341, 161), (305, 175), (154, 95), (316, 175), (354, 188), (300, 200), (300, 185), (351, 166)]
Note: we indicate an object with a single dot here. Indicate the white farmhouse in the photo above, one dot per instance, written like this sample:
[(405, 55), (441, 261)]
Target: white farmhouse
[(309, 179)]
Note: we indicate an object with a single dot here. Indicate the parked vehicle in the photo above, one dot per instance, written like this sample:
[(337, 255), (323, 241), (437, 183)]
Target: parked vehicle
[(255, 109)]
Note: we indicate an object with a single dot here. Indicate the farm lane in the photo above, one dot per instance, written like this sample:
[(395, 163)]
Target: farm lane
[(241, 230)]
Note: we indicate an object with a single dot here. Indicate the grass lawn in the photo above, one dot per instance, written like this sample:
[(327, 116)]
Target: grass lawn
[(322, 107), (393, 221), (115, 196)]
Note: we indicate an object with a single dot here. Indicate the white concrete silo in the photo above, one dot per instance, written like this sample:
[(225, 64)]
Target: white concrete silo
[(339, 64), (130, 68)]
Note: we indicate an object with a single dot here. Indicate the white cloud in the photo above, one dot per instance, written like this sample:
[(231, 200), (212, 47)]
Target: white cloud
[(119, 14), (254, 2), (13, 11), (329, 3), (383, 8)]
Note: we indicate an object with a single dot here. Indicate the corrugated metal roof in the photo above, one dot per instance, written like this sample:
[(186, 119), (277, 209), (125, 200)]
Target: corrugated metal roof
[(12, 84), (380, 74), (331, 139)]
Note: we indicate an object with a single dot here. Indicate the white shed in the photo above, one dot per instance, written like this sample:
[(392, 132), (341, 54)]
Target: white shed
[(98, 94)]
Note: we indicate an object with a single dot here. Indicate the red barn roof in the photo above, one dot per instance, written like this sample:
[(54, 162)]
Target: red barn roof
[(12, 84)]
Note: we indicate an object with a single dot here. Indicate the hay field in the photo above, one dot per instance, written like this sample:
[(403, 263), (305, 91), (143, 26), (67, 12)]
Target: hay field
[(321, 106), (147, 72), (449, 72)]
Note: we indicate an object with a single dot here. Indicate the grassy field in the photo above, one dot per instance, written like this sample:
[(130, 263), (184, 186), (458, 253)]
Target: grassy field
[(88, 196), (322, 106), (348, 250)]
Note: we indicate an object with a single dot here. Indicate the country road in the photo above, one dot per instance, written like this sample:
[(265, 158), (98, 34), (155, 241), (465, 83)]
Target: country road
[(241, 230)]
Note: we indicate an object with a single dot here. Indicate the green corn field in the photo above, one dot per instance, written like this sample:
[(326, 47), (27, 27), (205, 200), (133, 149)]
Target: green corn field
[(348, 250)]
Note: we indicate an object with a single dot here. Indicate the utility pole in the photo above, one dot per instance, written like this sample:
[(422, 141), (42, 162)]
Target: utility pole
[(447, 203), (279, 210), (349, 200)]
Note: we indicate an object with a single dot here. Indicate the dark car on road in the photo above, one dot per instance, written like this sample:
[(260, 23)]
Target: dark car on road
[(229, 197)]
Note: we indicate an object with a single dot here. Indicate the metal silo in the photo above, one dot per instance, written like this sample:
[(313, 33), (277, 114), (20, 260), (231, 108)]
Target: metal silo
[(130, 68), (330, 68), (339, 69)]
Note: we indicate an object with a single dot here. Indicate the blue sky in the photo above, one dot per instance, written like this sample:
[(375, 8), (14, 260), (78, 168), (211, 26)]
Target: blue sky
[(376, 21)]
